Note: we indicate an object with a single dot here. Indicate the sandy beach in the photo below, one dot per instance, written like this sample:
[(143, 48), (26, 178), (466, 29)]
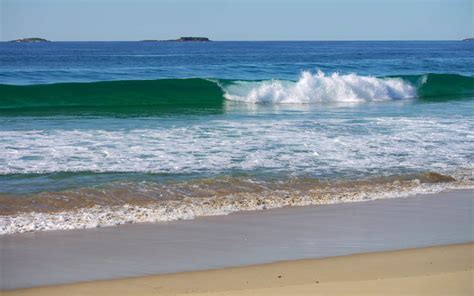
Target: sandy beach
[(240, 239), (444, 270), (334, 249)]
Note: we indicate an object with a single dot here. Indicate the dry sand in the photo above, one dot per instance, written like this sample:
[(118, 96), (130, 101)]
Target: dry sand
[(445, 270)]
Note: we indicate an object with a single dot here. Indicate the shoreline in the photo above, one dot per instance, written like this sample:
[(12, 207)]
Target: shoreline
[(90, 208), (420, 271), (239, 239)]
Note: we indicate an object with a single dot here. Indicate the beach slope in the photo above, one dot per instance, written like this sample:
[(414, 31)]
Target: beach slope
[(443, 270)]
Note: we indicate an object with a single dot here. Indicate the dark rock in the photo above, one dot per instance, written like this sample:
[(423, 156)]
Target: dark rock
[(433, 177)]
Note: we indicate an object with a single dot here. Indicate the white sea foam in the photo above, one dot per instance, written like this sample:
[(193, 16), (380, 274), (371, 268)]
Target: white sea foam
[(190, 208), (320, 146), (319, 87)]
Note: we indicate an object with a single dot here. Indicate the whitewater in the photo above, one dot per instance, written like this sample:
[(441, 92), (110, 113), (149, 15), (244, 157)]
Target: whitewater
[(320, 88)]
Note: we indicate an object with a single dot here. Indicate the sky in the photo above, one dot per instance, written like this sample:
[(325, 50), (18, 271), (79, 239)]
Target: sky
[(116, 20)]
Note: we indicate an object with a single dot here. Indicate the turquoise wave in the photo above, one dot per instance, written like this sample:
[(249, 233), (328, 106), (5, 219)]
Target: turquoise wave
[(122, 97), (169, 95), (442, 87)]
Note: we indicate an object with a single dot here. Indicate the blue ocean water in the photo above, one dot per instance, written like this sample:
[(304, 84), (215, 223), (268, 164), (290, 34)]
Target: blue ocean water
[(27, 63), (262, 110)]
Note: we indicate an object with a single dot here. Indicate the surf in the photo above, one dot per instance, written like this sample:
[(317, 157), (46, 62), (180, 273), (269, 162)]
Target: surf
[(194, 94), (321, 88), (351, 88)]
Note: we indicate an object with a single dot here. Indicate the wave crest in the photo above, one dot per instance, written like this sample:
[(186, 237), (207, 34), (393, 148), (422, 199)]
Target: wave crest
[(319, 87), (148, 97)]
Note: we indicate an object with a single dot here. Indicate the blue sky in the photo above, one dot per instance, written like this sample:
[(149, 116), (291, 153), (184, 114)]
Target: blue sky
[(237, 19)]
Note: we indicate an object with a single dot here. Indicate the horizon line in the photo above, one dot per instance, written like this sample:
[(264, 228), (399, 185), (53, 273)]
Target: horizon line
[(242, 40)]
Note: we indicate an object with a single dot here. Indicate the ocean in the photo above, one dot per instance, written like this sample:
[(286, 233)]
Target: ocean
[(104, 133)]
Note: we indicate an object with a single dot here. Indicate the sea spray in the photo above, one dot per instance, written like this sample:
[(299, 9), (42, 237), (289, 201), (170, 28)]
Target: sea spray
[(320, 88)]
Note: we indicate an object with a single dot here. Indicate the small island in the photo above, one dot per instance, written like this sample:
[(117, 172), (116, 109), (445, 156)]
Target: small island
[(468, 39), (181, 39), (30, 40)]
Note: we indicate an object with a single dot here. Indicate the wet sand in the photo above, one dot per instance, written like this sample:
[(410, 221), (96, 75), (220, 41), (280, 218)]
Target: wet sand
[(446, 270), (59, 257)]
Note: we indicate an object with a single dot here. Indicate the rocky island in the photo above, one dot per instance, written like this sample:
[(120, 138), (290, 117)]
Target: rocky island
[(192, 39), (468, 39), (182, 39), (34, 39)]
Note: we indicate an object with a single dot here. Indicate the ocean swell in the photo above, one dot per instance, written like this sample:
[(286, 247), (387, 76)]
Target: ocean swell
[(129, 97), (175, 95)]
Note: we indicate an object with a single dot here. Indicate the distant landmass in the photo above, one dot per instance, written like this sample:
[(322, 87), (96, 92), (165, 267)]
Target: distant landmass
[(34, 39), (468, 39), (181, 39)]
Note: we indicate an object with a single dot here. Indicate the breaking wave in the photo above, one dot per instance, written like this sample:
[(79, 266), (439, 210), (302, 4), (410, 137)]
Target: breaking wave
[(173, 95), (319, 87)]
